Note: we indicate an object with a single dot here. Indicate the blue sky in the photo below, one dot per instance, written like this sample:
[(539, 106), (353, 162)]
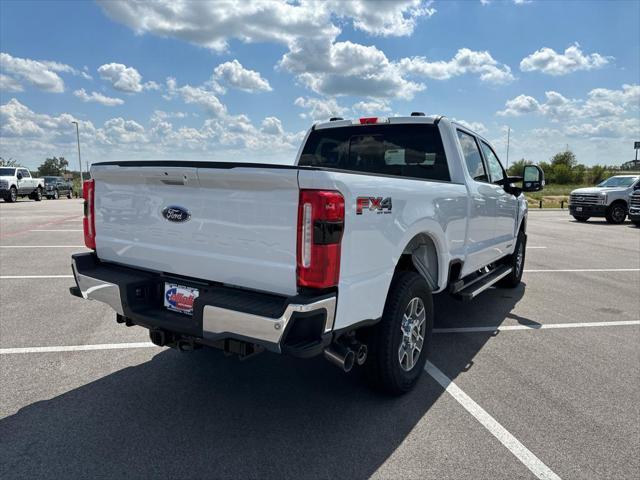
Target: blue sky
[(233, 80)]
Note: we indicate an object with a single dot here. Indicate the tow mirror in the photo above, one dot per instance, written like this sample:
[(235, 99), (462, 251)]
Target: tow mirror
[(533, 178)]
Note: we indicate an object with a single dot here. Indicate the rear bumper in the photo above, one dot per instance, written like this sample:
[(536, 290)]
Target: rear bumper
[(588, 210), (300, 325)]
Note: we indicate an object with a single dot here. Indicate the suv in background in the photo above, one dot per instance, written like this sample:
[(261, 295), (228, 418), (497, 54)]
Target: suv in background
[(607, 199), (55, 187)]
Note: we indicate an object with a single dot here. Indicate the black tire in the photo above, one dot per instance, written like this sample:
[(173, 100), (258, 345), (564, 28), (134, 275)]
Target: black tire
[(69, 195), (516, 262), (636, 222), (56, 195), (37, 195), (581, 219), (616, 213), (384, 369), (12, 196)]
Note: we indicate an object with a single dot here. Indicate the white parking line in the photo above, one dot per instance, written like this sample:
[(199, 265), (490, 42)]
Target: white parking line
[(38, 230), (529, 248), (10, 277), (42, 246), (543, 326), (522, 453), (75, 348), (586, 270)]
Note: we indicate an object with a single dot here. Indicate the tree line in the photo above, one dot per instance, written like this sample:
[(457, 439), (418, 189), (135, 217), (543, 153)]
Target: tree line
[(51, 167), (564, 169)]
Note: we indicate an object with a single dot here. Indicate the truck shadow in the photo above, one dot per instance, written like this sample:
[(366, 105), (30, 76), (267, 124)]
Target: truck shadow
[(203, 415)]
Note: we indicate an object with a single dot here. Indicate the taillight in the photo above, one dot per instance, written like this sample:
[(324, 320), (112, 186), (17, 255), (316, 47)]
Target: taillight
[(368, 120), (320, 226), (88, 222)]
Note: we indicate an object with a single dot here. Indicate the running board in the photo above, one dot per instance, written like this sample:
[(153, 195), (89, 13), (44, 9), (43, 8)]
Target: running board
[(479, 285)]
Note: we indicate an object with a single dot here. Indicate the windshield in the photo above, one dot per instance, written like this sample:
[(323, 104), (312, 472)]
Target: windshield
[(618, 182), (413, 151), (7, 172), (51, 179)]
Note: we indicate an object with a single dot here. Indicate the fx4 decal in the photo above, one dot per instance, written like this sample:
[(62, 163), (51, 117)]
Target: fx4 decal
[(373, 204)]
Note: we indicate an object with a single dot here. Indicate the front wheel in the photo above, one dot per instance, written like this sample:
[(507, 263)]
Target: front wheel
[(399, 344), (581, 219), (56, 195), (636, 222), (12, 196), (616, 213), (69, 195)]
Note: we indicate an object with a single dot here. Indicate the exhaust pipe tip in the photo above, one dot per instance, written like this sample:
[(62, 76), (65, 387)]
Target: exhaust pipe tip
[(342, 357)]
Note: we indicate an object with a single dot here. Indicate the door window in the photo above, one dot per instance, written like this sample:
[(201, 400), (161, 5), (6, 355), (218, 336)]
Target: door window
[(25, 173), (495, 167), (472, 157)]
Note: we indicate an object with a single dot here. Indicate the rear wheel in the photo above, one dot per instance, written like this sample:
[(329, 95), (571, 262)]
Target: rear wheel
[(616, 213), (37, 195), (399, 344), (581, 219), (56, 195), (69, 195), (516, 262)]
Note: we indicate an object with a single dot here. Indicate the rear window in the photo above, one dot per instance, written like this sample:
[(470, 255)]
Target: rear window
[(413, 151)]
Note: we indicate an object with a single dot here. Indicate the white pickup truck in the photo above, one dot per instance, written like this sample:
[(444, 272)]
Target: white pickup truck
[(608, 199), (339, 254), (17, 182)]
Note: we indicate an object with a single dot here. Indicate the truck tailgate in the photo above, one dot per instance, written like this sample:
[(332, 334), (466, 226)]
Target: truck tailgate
[(241, 230)]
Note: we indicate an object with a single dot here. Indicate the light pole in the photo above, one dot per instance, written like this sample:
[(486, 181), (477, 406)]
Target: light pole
[(79, 157), (508, 135)]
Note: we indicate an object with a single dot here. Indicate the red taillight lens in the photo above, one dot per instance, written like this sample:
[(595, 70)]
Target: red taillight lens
[(320, 226), (88, 222)]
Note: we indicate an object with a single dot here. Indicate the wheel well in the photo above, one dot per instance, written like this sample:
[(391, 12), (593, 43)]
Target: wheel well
[(421, 256), (620, 200)]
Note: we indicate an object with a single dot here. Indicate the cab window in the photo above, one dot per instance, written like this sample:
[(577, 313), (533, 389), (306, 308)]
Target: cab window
[(25, 173), (496, 172), (472, 157)]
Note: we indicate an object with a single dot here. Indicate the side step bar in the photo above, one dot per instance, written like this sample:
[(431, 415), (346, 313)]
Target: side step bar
[(478, 285)]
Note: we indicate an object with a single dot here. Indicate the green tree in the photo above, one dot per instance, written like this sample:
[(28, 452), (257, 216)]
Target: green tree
[(10, 162), (517, 167), (562, 174), (53, 166), (567, 158)]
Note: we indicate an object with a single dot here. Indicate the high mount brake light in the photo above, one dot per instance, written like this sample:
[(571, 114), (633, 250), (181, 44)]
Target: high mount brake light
[(368, 120), (320, 226), (88, 222)]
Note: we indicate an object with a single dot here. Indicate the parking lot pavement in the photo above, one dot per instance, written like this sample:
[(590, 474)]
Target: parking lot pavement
[(567, 398)]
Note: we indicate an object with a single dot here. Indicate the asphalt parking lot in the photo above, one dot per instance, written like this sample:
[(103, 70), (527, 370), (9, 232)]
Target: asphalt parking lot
[(542, 381)]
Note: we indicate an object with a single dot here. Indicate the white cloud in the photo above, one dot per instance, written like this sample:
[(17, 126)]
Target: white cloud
[(370, 107), (600, 102), (126, 79), (628, 128), (235, 75), (477, 127), (200, 96), (39, 73), (272, 126), (347, 68), (547, 60), (97, 98), (9, 84), (319, 108), (465, 61), (118, 131)]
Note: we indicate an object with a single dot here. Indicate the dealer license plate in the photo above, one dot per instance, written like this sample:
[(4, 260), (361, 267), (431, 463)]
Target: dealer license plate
[(180, 298), (578, 209)]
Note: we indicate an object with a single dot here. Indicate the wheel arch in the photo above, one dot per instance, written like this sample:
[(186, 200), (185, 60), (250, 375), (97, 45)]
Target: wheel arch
[(421, 255)]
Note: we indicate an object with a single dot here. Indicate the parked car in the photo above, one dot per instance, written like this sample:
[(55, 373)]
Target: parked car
[(17, 182), (634, 207), (55, 187), (339, 254), (607, 199)]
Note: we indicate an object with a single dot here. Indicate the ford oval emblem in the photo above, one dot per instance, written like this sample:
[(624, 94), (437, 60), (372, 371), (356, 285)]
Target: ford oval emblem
[(176, 214)]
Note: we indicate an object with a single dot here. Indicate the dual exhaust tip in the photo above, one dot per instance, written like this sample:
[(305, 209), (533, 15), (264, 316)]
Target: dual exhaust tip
[(346, 356)]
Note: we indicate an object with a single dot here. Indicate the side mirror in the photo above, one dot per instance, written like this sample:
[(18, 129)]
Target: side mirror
[(636, 187), (19, 176), (533, 178)]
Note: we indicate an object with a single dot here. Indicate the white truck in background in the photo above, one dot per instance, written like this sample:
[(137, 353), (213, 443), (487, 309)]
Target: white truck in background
[(609, 199), (339, 254), (17, 182)]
